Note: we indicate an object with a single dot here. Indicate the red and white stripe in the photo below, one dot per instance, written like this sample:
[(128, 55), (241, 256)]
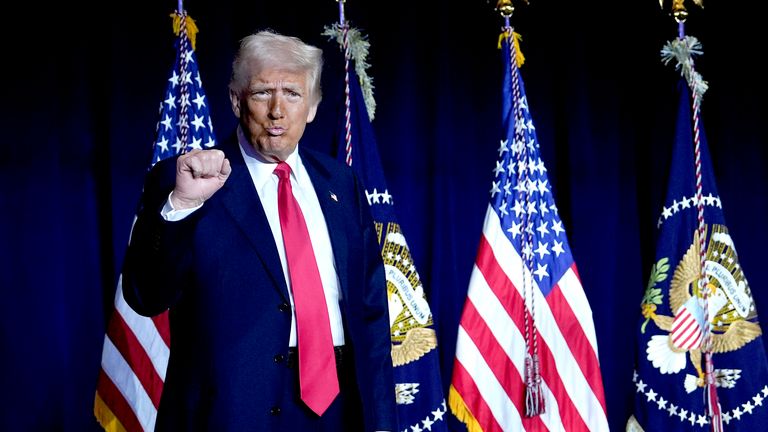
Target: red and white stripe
[(686, 332), (488, 375), (133, 365)]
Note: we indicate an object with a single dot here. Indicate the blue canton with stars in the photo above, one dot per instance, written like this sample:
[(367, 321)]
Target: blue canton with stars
[(521, 194), (184, 107)]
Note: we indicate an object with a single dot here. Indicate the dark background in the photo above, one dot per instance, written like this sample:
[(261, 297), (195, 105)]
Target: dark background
[(82, 88)]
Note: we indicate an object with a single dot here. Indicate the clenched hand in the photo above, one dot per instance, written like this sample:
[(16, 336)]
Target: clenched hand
[(199, 174)]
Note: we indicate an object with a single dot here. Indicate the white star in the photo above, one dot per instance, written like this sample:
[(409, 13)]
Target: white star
[(210, 142), (198, 122), (438, 414), (199, 81), (542, 229), (709, 199), (685, 203), (373, 198), (557, 227), (532, 208), (543, 207), (166, 122), (503, 208), (427, 423), (672, 410), (199, 100), (692, 418), (758, 400), (682, 414), (542, 250), (737, 413), (195, 144), (511, 167), (667, 213), (178, 145), (641, 386), (662, 403), (726, 417), (518, 208), (748, 407), (514, 229), (188, 57), (499, 168), (557, 248), (171, 101), (527, 253), (163, 143), (506, 188), (503, 146), (541, 271), (701, 420), (386, 197), (174, 79), (651, 395), (495, 189), (543, 186)]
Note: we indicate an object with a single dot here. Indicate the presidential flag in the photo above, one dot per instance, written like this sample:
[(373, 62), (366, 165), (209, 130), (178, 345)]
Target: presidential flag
[(136, 348), (526, 351), (670, 378), (418, 386)]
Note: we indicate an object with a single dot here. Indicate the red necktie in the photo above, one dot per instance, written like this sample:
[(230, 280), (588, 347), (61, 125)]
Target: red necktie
[(317, 361)]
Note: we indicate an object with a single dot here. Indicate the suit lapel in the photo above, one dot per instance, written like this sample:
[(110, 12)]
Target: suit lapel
[(239, 197), (332, 206)]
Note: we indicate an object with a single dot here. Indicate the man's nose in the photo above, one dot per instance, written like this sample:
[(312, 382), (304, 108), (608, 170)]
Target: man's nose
[(276, 108)]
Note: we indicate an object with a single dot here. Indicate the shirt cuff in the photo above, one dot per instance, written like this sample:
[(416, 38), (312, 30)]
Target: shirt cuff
[(171, 214)]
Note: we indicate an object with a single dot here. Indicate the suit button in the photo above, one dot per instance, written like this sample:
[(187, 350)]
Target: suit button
[(284, 307), (279, 358), (275, 411)]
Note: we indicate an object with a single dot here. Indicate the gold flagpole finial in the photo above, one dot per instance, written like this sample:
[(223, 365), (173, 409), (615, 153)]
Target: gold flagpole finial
[(679, 12), (505, 8)]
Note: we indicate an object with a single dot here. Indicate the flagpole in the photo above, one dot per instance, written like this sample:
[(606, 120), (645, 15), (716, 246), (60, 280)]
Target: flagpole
[(680, 14)]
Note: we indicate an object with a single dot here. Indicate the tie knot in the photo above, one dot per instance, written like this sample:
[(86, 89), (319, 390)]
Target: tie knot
[(283, 171)]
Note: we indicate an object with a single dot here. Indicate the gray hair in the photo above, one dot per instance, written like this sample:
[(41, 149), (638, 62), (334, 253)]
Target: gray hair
[(270, 49)]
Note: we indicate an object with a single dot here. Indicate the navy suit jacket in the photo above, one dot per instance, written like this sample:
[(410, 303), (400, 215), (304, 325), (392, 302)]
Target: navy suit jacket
[(219, 272)]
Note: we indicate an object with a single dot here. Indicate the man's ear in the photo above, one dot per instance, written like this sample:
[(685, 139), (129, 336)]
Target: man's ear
[(312, 112), (234, 98)]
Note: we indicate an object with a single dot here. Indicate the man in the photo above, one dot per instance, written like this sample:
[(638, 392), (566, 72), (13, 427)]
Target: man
[(212, 244)]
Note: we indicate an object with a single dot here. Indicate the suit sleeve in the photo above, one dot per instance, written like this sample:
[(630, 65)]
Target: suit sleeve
[(157, 259)]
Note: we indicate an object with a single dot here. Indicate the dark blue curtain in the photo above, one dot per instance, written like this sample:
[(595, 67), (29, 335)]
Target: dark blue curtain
[(79, 109)]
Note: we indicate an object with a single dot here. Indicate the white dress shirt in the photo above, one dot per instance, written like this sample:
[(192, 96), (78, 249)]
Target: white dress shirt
[(265, 182)]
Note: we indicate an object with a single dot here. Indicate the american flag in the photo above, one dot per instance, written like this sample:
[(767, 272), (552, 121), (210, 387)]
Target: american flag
[(525, 300), (136, 348)]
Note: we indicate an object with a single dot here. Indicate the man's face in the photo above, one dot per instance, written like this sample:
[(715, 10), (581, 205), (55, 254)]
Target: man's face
[(274, 110)]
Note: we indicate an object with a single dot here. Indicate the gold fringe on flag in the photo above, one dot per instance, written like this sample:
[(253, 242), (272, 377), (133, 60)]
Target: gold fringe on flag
[(191, 27), (461, 411), (106, 417), (519, 57)]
